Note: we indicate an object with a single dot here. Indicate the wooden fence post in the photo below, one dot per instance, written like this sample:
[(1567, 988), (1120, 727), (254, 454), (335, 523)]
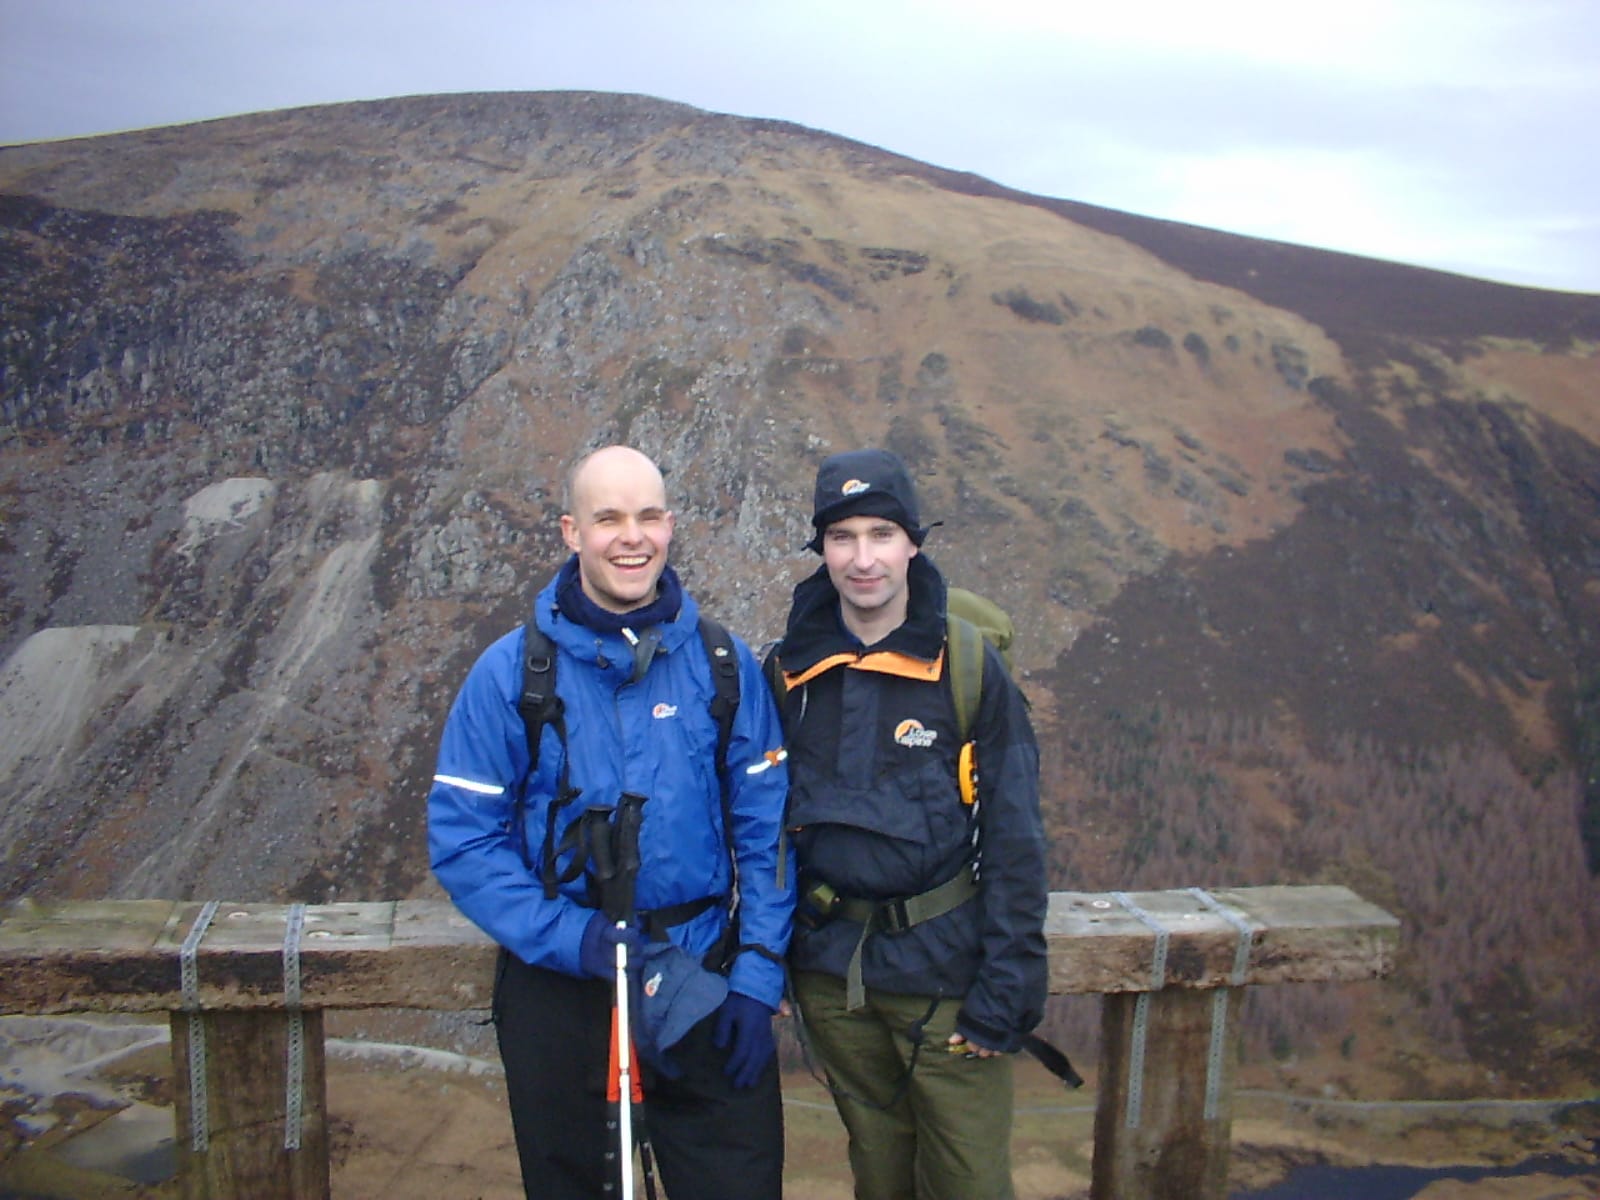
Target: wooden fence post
[(1163, 1124), (245, 1125)]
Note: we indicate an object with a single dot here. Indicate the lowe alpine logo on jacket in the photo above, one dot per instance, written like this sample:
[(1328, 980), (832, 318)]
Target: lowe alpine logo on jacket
[(911, 732)]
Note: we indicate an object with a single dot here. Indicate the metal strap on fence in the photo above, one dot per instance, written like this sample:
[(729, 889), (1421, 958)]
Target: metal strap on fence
[(294, 1074), (189, 981), (1141, 1007), (1219, 998)]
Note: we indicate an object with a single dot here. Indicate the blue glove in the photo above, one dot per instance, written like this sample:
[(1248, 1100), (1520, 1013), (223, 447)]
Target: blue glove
[(597, 953), (745, 1025)]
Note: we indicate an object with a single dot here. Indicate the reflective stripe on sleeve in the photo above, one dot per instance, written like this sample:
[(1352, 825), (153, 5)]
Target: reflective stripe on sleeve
[(471, 785)]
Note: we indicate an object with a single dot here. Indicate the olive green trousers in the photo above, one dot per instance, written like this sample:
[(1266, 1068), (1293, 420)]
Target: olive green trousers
[(944, 1133)]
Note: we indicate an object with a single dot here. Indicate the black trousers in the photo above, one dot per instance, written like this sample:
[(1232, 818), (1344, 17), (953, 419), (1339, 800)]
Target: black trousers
[(711, 1141)]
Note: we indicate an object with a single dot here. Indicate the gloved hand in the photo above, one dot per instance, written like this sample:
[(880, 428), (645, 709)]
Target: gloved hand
[(597, 953), (744, 1029)]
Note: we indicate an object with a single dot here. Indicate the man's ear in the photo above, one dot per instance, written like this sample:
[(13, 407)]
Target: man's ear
[(569, 532)]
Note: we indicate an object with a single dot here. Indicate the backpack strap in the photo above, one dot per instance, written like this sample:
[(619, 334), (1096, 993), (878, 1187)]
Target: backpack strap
[(773, 670), (964, 643), (539, 705), (724, 662)]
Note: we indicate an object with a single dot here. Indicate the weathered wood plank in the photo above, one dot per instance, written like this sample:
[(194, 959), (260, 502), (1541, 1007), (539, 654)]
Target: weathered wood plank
[(123, 956), (1100, 944)]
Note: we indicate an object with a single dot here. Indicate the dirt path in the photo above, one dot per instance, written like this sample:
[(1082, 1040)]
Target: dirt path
[(86, 1113)]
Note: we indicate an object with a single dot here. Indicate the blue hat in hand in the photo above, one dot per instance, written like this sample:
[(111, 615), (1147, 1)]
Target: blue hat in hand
[(675, 993)]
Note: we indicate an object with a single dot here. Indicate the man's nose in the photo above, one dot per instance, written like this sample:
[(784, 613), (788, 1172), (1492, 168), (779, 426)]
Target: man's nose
[(863, 555)]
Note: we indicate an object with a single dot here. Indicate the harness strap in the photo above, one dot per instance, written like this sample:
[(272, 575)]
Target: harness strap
[(897, 916), (657, 921), (589, 836)]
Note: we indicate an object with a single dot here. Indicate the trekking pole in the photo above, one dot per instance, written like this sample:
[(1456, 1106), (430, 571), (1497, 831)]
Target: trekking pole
[(628, 1091)]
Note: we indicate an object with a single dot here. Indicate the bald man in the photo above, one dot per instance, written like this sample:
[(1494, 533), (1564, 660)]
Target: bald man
[(515, 849)]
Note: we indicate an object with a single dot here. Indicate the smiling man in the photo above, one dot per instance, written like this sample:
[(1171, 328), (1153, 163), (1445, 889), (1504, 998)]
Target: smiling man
[(618, 525), (636, 759), (917, 973)]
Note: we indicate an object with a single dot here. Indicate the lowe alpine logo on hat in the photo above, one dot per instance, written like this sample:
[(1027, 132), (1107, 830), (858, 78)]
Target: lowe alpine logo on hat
[(864, 483), (675, 993)]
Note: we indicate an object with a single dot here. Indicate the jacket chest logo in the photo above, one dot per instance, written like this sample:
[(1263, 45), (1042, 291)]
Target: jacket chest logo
[(910, 732), (664, 710)]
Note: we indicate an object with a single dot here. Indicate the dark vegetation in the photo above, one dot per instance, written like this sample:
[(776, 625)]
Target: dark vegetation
[(1481, 863)]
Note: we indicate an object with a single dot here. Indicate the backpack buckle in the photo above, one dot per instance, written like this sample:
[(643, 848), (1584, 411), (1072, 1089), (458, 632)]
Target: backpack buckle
[(893, 917)]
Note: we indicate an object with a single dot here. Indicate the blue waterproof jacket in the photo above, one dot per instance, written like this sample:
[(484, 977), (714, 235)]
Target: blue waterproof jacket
[(653, 736)]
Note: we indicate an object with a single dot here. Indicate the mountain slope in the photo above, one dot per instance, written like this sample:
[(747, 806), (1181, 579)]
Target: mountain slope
[(287, 400)]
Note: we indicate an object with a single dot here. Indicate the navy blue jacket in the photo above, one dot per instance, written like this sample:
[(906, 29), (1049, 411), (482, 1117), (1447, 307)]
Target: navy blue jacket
[(875, 811)]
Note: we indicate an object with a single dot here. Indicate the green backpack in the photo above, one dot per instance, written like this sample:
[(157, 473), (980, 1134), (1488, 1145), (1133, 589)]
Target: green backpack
[(968, 614)]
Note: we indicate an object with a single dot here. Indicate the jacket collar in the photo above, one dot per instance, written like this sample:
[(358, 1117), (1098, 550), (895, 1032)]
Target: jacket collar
[(605, 646), (816, 631)]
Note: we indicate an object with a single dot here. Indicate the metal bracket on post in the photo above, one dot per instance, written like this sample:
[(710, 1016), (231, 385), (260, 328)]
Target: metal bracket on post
[(1141, 1008), (1219, 999), (294, 1074), (189, 980)]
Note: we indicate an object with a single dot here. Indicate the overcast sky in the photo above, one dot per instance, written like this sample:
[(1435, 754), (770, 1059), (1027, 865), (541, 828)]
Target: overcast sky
[(1458, 134)]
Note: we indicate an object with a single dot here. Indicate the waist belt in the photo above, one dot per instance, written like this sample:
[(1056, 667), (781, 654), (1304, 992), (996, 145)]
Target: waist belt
[(897, 916), (657, 921)]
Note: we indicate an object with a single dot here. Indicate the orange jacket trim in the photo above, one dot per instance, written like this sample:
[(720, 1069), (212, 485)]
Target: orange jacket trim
[(885, 662)]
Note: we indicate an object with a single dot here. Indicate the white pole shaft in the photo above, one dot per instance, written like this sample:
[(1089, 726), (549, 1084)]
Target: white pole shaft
[(624, 1072)]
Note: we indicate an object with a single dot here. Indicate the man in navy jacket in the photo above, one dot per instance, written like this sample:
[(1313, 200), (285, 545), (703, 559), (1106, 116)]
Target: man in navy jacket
[(919, 958), (636, 688)]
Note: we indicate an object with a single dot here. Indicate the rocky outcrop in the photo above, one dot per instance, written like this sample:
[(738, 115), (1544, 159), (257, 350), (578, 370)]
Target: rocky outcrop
[(286, 402)]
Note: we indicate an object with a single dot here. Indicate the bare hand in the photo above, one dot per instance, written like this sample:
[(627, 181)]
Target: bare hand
[(959, 1045)]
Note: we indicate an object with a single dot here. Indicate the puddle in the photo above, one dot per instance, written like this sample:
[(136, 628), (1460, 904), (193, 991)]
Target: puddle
[(137, 1144)]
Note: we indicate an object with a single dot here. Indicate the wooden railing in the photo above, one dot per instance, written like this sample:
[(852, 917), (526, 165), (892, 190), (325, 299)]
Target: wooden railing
[(246, 986)]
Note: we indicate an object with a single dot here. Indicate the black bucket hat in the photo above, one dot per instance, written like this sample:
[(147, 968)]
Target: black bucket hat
[(872, 483)]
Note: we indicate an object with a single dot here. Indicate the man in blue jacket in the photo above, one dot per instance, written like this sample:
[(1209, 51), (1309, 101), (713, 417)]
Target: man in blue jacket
[(513, 853), (919, 955)]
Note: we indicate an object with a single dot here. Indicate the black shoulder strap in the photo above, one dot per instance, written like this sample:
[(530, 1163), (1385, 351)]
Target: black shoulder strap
[(724, 662), (772, 671), (539, 704)]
